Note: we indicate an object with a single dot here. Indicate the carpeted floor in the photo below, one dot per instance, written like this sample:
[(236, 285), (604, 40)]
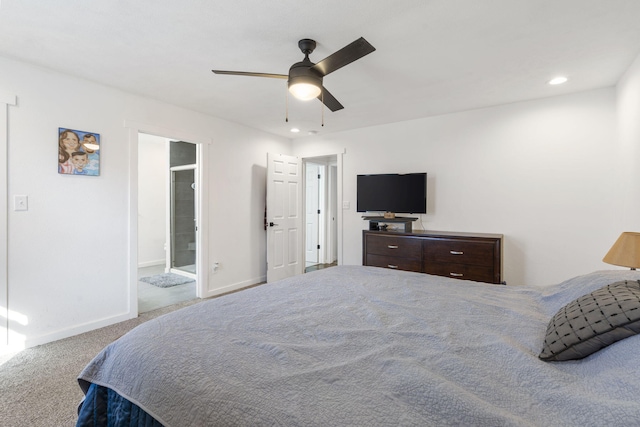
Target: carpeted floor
[(38, 386)]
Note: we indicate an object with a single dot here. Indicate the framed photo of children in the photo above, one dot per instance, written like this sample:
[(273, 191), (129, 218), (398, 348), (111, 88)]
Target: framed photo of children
[(78, 152)]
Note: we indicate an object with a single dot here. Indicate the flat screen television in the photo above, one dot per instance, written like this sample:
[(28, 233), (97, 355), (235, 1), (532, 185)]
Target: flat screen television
[(397, 193)]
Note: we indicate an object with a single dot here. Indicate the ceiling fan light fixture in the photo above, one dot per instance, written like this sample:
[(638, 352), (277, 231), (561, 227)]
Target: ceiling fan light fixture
[(305, 87), (304, 91)]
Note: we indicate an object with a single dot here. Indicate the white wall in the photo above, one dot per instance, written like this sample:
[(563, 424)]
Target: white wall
[(68, 264), (552, 175), (628, 161), (541, 172), (153, 173)]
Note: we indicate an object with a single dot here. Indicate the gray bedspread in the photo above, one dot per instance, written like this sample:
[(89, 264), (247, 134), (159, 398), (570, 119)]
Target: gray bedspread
[(363, 346)]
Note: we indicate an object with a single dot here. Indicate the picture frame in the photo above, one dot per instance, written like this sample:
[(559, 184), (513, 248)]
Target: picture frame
[(78, 152)]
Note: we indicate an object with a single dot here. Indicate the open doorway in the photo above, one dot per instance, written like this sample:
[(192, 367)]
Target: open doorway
[(167, 208), (321, 198)]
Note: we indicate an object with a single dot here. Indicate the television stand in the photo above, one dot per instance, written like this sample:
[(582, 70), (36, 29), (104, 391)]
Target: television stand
[(375, 220)]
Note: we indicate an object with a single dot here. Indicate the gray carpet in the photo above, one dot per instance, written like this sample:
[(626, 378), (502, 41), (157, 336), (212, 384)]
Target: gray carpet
[(38, 386), (166, 280)]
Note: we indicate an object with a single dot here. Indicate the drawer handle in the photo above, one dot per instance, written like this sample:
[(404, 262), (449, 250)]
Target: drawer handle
[(392, 266), (456, 252), (456, 274), (392, 246)]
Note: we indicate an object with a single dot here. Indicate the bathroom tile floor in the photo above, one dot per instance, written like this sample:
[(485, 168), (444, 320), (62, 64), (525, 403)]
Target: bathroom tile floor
[(152, 297)]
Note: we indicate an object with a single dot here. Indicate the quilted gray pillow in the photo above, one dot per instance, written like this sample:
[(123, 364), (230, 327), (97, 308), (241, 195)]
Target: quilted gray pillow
[(593, 321)]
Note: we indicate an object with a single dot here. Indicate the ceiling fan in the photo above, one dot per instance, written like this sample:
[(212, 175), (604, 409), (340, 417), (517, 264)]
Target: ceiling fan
[(305, 77)]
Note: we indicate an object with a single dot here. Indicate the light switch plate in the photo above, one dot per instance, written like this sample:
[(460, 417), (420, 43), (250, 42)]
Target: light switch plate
[(20, 203), (346, 204)]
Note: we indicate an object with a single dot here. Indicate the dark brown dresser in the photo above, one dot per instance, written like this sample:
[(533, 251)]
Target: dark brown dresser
[(469, 256)]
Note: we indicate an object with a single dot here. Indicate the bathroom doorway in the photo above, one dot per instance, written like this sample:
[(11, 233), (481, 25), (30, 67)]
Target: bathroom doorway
[(167, 230)]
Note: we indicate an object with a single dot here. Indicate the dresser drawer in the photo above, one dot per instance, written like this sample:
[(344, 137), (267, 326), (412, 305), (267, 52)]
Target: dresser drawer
[(394, 246), (477, 273), (450, 251), (467, 256), (395, 263)]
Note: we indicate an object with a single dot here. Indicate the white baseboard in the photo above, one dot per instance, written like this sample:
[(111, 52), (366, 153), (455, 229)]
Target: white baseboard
[(75, 330), (101, 323), (151, 263), (235, 287)]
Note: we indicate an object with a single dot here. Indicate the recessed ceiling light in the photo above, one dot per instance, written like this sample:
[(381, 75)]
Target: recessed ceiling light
[(558, 80), (295, 130)]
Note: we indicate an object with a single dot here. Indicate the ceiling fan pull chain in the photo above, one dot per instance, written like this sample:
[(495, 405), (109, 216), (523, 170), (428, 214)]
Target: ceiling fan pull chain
[(286, 108), (322, 108)]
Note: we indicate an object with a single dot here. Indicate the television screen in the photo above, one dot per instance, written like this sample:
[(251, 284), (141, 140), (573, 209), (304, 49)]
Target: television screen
[(398, 193)]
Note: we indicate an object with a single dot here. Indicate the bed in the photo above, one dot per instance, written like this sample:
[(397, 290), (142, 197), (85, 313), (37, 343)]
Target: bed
[(365, 346)]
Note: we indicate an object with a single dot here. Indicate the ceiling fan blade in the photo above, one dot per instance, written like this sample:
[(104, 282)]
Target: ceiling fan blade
[(245, 73), (344, 56), (329, 100)]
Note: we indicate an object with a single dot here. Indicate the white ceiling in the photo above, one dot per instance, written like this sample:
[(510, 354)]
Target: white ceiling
[(432, 57)]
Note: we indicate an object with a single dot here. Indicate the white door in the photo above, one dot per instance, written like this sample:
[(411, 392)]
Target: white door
[(284, 217), (332, 235), (311, 213)]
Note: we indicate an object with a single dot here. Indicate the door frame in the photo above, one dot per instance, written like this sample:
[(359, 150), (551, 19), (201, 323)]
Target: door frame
[(316, 158), (6, 101), (318, 218), (332, 209), (325, 191), (202, 261)]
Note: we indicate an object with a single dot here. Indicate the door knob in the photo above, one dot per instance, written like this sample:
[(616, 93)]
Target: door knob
[(271, 224)]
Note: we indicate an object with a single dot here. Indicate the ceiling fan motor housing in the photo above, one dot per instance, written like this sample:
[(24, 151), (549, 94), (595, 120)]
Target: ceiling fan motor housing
[(301, 72)]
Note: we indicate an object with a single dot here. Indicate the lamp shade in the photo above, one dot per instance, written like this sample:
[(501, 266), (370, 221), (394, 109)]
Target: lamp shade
[(625, 252)]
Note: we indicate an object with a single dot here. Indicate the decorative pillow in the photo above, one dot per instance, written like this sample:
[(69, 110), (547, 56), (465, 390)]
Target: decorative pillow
[(593, 321)]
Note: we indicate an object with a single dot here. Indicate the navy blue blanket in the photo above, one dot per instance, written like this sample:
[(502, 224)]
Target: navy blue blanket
[(105, 408)]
